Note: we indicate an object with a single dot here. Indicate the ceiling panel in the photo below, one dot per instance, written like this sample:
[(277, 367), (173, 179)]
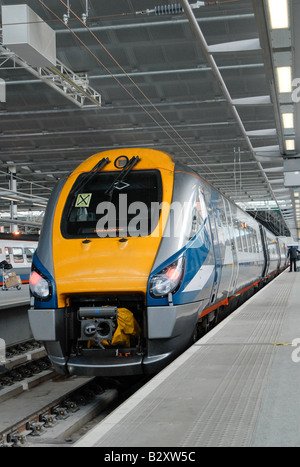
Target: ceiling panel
[(158, 90)]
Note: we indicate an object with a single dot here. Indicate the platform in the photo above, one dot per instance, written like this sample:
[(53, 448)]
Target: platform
[(237, 386), (14, 324), (12, 297)]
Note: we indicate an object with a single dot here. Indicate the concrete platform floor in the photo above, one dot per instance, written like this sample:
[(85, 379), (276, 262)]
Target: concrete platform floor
[(237, 386)]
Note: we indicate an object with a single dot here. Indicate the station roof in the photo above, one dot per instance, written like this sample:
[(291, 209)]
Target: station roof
[(198, 80)]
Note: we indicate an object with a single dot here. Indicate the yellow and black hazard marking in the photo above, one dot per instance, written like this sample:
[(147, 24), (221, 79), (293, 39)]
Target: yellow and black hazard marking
[(282, 343)]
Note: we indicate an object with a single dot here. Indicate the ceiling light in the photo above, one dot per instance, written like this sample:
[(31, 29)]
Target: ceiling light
[(290, 146), (288, 120), (279, 14), (284, 74), (11, 199)]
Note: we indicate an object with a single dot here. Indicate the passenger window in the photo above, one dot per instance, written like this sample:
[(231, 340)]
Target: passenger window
[(250, 240), (7, 254), (199, 213), (254, 242), (18, 255), (29, 254), (244, 240), (238, 236)]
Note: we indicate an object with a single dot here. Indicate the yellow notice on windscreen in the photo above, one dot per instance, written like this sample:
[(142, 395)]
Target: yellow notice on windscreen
[(83, 200)]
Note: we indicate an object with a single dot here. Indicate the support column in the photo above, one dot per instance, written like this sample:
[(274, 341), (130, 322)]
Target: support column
[(13, 205)]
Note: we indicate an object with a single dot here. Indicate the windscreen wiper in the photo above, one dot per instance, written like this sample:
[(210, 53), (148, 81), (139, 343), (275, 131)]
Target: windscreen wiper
[(122, 175), (90, 175)]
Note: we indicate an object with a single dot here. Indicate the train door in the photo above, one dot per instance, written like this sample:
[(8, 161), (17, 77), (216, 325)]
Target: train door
[(278, 253), (265, 251), (224, 250), (214, 224), (235, 262)]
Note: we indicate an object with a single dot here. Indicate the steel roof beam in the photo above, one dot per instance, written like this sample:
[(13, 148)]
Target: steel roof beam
[(72, 86), (216, 71)]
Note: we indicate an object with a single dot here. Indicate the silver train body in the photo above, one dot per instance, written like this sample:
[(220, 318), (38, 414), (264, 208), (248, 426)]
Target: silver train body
[(213, 256)]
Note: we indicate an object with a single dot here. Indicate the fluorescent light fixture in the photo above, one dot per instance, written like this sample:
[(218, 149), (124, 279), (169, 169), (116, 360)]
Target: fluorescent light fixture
[(290, 146), (284, 75), (288, 120), (10, 199), (279, 14)]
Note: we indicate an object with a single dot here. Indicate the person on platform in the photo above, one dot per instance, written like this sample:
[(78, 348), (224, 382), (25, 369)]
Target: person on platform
[(293, 255)]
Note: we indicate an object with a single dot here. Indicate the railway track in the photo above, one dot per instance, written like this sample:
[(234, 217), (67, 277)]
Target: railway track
[(38, 407)]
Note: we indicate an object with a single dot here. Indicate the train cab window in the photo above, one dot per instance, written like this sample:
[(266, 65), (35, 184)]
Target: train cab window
[(18, 255), (29, 254), (107, 208)]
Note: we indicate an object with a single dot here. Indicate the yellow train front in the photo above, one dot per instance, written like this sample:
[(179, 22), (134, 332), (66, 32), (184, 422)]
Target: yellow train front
[(91, 273)]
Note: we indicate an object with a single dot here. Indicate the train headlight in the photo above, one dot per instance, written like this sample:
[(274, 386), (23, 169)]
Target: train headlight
[(168, 280), (40, 286)]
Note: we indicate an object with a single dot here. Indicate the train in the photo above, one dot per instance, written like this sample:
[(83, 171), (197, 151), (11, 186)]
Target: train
[(17, 251), (138, 256)]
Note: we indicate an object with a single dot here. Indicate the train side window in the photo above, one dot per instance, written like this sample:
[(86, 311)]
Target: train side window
[(250, 243), (29, 254), (244, 240), (218, 216), (198, 213), (18, 255), (254, 241), (238, 237), (223, 218), (7, 254), (257, 243), (0, 251)]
